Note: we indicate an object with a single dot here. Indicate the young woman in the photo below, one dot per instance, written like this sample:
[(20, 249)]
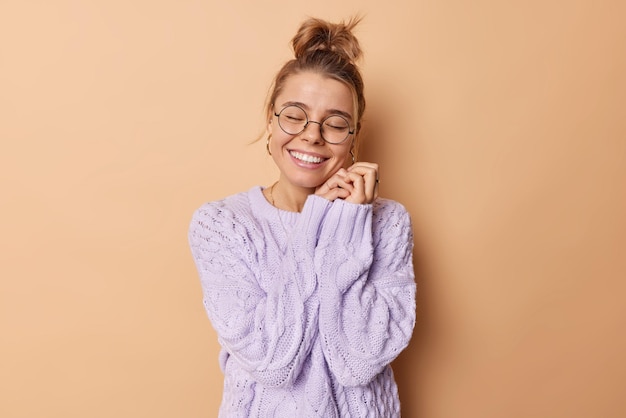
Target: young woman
[(309, 282)]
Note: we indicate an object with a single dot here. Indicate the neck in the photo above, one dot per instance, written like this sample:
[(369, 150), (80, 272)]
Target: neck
[(287, 197)]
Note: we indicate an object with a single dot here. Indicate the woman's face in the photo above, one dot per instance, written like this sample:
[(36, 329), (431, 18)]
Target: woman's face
[(306, 160)]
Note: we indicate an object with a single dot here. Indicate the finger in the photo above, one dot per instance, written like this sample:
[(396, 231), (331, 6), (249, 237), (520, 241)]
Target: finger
[(340, 182), (370, 174), (326, 185), (362, 165), (358, 194), (322, 189), (336, 193), (337, 180), (369, 170)]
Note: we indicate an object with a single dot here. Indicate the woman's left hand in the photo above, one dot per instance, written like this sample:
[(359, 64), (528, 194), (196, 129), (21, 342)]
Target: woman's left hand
[(364, 178), (357, 184)]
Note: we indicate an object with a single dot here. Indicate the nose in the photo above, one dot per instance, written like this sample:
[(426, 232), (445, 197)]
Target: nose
[(313, 135)]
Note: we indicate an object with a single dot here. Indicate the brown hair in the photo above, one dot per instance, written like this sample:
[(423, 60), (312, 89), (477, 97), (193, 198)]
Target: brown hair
[(329, 49)]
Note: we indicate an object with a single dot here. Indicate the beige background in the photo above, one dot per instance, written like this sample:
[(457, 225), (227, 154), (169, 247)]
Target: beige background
[(500, 125)]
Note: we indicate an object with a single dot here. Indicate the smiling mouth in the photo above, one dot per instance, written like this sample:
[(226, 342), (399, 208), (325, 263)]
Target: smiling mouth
[(306, 158)]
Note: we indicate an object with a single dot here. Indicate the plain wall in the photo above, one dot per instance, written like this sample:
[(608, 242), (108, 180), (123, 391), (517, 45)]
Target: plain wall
[(499, 125)]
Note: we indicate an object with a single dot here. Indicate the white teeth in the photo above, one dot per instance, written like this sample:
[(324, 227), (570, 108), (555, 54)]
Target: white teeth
[(306, 158)]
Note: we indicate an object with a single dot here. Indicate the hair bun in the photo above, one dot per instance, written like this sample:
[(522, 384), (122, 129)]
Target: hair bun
[(319, 35)]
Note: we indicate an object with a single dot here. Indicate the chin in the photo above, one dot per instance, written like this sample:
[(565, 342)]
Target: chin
[(308, 183), (311, 180)]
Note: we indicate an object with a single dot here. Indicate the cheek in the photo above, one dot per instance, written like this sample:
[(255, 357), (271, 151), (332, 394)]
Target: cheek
[(343, 153), (279, 139)]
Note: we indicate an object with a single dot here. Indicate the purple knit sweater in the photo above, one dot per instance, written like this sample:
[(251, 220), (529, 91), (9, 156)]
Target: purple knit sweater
[(310, 308)]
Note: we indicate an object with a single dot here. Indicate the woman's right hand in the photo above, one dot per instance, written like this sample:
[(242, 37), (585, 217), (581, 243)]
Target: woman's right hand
[(338, 186)]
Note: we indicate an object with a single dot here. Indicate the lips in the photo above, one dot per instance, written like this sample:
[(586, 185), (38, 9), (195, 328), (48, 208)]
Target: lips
[(307, 158)]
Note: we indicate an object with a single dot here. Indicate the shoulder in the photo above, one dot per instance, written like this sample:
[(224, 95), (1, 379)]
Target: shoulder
[(390, 218), (387, 208), (224, 207), (238, 205), (230, 215)]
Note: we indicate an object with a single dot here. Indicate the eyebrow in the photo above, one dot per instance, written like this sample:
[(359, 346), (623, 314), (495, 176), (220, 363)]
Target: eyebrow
[(330, 111)]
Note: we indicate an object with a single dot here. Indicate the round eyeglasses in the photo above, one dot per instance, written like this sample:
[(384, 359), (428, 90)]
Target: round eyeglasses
[(335, 129)]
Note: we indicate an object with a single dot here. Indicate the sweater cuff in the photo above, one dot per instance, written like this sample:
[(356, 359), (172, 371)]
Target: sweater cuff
[(347, 223)]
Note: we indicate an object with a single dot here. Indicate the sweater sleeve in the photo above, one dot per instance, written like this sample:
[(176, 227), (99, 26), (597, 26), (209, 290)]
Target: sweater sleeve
[(267, 328), (367, 288)]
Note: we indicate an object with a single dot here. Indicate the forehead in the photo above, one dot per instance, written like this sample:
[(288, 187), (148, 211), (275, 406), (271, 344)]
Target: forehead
[(319, 93)]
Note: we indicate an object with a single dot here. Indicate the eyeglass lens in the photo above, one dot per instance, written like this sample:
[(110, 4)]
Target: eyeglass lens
[(334, 129)]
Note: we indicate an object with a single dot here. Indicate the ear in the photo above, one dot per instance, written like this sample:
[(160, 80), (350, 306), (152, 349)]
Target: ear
[(268, 127), (270, 120)]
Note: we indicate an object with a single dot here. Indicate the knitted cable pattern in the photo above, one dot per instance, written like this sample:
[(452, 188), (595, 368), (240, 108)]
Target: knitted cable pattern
[(310, 308)]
